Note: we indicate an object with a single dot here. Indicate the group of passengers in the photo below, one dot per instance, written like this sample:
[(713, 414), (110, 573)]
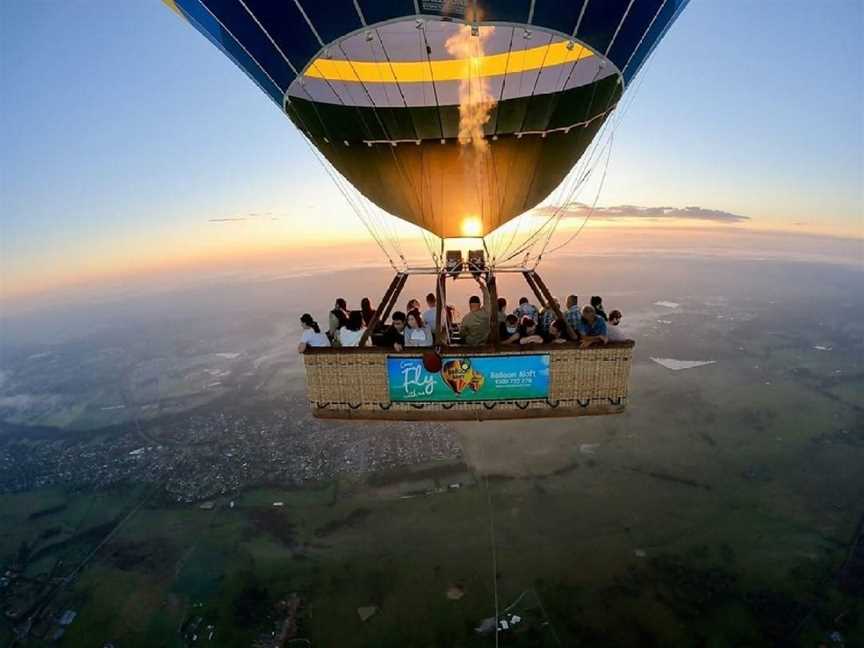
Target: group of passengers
[(589, 325)]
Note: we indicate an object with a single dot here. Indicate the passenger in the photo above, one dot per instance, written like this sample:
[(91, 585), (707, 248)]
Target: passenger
[(394, 335), (547, 317), (338, 319), (528, 333), (526, 309), (597, 303), (502, 310), (573, 314), (508, 330), (475, 324), (367, 311), (412, 304), (312, 335), (430, 315), (557, 332), (592, 328), (350, 334), (613, 330), (417, 334)]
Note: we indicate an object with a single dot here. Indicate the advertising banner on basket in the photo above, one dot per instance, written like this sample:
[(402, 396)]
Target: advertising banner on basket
[(469, 378)]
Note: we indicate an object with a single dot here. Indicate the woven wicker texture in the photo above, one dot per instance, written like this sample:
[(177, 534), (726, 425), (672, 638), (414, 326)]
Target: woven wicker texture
[(353, 383)]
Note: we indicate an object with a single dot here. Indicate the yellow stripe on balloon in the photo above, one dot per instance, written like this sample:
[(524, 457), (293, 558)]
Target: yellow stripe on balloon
[(172, 5), (513, 62)]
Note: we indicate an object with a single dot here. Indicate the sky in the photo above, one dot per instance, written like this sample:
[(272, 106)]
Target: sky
[(124, 134)]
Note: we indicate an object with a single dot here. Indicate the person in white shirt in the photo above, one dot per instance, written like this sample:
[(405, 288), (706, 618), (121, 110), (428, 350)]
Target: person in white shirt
[(312, 335), (613, 331), (430, 318), (416, 334), (350, 334)]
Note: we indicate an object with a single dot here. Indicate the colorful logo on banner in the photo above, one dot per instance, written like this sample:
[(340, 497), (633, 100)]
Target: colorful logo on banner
[(470, 378)]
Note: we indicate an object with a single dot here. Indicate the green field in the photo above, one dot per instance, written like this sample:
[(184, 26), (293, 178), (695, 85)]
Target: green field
[(716, 511)]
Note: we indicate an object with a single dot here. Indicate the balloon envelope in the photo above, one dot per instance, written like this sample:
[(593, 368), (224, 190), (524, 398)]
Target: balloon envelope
[(456, 116)]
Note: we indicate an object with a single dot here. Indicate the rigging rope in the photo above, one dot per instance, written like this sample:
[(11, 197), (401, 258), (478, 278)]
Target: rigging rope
[(578, 231), (576, 181), (617, 119)]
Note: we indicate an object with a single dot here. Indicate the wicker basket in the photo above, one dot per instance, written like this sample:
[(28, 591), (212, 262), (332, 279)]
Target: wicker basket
[(353, 383)]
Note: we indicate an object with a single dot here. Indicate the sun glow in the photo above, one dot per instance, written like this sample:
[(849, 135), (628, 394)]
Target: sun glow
[(471, 226)]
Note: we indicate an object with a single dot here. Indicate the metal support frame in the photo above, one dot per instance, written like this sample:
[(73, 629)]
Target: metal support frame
[(442, 333), (551, 303), (492, 287), (386, 305), (442, 330), (529, 279)]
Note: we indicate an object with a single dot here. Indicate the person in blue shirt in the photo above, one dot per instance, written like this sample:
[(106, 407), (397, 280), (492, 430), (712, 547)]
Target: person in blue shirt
[(547, 316), (573, 314), (592, 329), (526, 309)]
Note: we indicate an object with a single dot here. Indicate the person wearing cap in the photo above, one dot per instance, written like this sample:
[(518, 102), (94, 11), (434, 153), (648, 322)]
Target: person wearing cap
[(476, 323)]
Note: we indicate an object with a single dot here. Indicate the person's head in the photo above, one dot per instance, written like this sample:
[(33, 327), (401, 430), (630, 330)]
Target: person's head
[(341, 316), (597, 302), (615, 317), (413, 304), (512, 324), (365, 305), (589, 314), (415, 321), (341, 304), (523, 300), (502, 304), (527, 326), (474, 303), (572, 300), (355, 321), (399, 321), (307, 322), (431, 300), (557, 328)]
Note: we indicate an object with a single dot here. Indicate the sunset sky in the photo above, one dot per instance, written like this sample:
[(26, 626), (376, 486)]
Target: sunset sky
[(124, 134)]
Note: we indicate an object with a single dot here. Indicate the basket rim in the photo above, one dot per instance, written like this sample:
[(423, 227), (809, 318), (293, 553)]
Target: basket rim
[(497, 349)]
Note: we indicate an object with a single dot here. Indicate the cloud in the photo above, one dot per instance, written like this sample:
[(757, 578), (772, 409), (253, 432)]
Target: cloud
[(581, 210), (250, 216)]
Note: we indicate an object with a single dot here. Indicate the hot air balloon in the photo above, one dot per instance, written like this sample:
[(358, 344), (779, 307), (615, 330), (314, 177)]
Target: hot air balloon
[(457, 116)]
